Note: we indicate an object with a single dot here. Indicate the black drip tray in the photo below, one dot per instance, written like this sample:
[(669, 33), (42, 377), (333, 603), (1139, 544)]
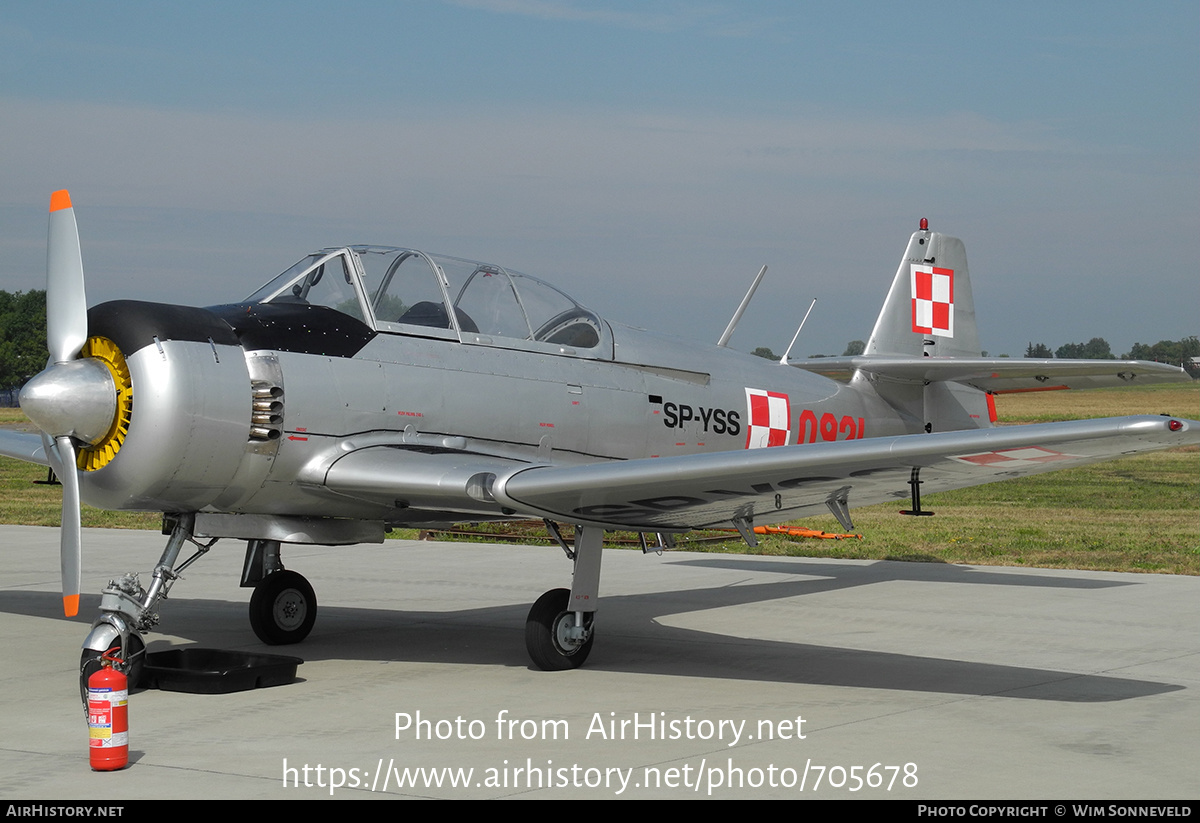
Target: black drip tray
[(215, 671)]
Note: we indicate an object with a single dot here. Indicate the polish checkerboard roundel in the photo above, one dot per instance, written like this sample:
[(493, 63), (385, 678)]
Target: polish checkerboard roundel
[(769, 413), (933, 300)]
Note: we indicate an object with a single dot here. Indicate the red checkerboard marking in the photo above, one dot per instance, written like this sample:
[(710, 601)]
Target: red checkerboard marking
[(769, 413), (933, 300), (1014, 457)]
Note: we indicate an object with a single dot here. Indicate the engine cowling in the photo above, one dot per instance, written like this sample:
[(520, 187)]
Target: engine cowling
[(183, 410)]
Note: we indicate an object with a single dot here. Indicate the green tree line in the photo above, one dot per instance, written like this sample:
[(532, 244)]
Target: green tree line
[(23, 351), (1167, 351), (1176, 352)]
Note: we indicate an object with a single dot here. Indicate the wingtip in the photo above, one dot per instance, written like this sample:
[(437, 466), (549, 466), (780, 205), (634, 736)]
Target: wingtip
[(60, 200), (70, 605)]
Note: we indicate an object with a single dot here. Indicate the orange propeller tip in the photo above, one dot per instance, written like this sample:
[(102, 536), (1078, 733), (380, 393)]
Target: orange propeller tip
[(70, 605), (60, 200)]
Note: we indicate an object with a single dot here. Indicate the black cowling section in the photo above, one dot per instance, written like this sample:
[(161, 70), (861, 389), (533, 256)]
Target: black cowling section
[(301, 328), (295, 327)]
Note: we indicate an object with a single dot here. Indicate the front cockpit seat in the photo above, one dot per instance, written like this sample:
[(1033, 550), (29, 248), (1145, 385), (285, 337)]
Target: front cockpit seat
[(433, 315)]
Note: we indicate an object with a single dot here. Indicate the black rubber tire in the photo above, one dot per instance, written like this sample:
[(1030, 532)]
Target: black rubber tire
[(541, 633), (283, 609), (89, 664)]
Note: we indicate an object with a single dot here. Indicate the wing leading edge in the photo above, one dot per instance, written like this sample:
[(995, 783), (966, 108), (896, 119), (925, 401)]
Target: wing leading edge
[(23, 446), (782, 483)]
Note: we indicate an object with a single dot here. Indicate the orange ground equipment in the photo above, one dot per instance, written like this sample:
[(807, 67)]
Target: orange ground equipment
[(795, 531)]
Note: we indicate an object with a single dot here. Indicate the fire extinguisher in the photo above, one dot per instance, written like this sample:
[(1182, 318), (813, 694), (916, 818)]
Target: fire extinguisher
[(108, 716)]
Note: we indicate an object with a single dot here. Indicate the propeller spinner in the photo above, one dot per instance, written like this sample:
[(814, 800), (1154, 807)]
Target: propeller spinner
[(74, 398)]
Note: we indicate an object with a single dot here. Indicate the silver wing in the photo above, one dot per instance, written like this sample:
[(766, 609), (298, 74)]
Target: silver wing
[(782, 483), (760, 485), (23, 446)]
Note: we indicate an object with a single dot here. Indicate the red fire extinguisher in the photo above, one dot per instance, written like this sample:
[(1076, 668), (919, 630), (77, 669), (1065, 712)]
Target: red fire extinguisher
[(108, 716)]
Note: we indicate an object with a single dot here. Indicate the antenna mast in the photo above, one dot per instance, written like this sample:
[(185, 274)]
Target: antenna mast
[(737, 315), (784, 359)]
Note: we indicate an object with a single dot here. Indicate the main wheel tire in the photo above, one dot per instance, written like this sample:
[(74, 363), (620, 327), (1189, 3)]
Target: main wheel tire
[(89, 664), (545, 633), (283, 609)]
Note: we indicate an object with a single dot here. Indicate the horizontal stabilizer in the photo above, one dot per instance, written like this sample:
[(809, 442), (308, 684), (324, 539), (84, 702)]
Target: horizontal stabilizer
[(998, 374)]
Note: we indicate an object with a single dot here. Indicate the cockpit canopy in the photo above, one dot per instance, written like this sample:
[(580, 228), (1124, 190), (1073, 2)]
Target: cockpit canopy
[(405, 291)]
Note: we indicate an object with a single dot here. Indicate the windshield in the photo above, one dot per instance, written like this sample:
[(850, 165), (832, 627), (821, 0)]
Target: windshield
[(408, 291), (320, 279)]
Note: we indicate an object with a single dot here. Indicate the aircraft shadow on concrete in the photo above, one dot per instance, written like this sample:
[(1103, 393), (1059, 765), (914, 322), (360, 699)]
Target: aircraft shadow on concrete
[(631, 640), (840, 576)]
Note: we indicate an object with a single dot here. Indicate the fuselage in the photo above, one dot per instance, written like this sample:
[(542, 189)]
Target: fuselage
[(190, 446), (249, 407)]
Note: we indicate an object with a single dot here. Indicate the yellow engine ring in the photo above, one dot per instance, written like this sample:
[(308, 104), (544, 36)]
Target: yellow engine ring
[(98, 456)]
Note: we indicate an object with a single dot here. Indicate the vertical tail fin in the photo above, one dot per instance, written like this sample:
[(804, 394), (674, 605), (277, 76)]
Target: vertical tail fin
[(929, 309), (930, 312)]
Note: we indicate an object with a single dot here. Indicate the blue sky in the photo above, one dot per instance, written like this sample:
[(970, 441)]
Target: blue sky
[(647, 157)]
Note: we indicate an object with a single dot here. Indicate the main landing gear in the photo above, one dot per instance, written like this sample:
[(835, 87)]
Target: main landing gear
[(556, 637), (283, 607), (559, 629)]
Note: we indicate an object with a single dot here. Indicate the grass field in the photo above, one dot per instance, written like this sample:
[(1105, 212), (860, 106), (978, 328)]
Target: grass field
[(1137, 514)]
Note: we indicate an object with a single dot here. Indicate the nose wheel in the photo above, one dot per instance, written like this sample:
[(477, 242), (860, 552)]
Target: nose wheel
[(283, 608)]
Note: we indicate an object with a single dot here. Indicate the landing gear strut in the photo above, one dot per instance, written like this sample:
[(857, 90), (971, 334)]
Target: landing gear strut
[(559, 629), (127, 610)]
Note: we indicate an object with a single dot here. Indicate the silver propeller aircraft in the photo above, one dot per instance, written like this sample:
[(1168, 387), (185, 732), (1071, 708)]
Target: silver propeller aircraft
[(367, 387)]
